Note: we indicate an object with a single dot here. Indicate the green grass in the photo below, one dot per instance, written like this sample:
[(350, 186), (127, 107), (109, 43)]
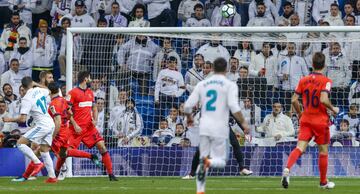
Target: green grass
[(174, 185)]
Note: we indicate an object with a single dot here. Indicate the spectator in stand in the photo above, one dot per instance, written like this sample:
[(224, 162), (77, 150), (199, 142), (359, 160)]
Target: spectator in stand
[(13, 76), (138, 17), (120, 106), (197, 20), (354, 120), (24, 9), (344, 133), (243, 72), (59, 9), (100, 103), (291, 69), (4, 127), (284, 20), (163, 55), (354, 94), (186, 10), (304, 9), (334, 17), (277, 125), (207, 69), (11, 34), (181, 112), (129, 125), (217, 19), (252, 115), (9, 96), (14, 111), (179, 135), (163, 135), (357, 11), (90, 6), (212, 50), (233, 73), (339, 71), (160, 13), (81, 17), (97, 87), (169, 87), (195, 74), (41, 11), (209, 7), (44, 50), (294, 22), (137, 55), (173, 118), (260, 20), (269, 11), (25, 56), (265, 65), (352, 48), (348, 10), (65, 23), (321, 8), (245, 53), (115, 19)]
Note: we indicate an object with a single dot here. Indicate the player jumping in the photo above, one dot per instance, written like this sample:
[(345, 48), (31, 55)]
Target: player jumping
[(314, 120), (218, 96), (83, 121)]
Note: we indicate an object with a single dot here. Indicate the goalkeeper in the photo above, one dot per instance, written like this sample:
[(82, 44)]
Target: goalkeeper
[(236, 151)]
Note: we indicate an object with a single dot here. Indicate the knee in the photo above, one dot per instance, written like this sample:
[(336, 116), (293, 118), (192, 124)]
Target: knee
[(102, 148)]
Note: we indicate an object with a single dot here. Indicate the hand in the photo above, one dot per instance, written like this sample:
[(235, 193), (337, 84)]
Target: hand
[(336, 110), (77, 129), (277, 137), (262, 72), (6, 119)]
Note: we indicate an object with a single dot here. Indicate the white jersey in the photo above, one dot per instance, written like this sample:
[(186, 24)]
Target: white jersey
[(34, 104), (217, 95)]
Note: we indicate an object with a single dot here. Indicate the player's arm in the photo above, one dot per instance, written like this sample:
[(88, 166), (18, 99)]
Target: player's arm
[(296, 104), (95, 114), (235, 108), (190, 103), (57, 121), (324, 99), (20, 119)]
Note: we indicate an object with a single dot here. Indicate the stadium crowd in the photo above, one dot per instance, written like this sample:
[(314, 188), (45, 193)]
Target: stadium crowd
[(164, 71)]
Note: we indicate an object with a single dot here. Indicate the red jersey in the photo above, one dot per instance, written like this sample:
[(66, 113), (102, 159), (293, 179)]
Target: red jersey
[(59, 106), (310, 88), (82, 102)]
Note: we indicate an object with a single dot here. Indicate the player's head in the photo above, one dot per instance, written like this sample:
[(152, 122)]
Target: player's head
[(84, 77), (163, 124), (46, 77), (54, 88), (318, 61), (27, 82), (220, 65)]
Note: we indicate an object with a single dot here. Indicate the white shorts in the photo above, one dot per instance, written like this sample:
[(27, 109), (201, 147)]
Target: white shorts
[(214, 147), (40, 135)]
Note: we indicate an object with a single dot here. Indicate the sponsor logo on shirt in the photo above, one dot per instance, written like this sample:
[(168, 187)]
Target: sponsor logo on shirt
[(85, 104)]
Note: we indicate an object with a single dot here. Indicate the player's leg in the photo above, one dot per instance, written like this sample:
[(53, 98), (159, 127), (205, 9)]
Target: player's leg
[(49, 165), (194, 165), (238, 154), (201, 171), (106, 159)]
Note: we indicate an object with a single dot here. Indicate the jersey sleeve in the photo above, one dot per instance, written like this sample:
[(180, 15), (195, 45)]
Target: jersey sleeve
[(299, 88), (326, 87), (233, 98), (192, 100), (25, 106), (71, 97), (55, 109)]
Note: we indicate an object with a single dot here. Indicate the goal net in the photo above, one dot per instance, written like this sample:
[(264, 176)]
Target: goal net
[(142, 76)]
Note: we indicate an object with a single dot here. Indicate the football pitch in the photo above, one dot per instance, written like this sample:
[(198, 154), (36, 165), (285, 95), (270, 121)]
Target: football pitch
[(174, 185)]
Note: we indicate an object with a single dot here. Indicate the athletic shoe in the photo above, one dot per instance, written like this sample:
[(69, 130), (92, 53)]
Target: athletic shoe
[(187, 177), (95, 160), (19, 179), (32, 178), (246, 172), (51, 180), (112, 177), (204, 165), (328, 185), (37, 168), (285, 180)]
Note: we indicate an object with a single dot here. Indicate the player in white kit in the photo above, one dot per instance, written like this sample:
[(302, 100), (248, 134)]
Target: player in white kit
[(34, 104), (217, 96)]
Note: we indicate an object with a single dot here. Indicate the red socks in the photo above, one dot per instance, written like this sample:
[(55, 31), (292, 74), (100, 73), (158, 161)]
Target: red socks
[(59, 163), (293, 157), (29, 170), (107, 162), (323, 165), (78, 154)]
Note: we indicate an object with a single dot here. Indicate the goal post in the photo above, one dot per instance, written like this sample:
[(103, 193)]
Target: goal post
[(130, 63)]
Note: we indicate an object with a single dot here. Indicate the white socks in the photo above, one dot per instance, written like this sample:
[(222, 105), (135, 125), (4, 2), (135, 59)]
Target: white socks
[(217, 163), (48, 164), (200, 185), (28, 153)]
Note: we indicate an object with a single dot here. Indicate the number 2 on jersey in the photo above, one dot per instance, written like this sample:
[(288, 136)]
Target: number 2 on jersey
[(210, 104), (313, 98), (42, 104)]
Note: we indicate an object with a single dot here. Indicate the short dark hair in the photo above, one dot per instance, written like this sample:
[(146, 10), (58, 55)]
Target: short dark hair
[(6, 84), (43, 74), (351, 16), (15, 13), (53, 87), (244, 67), (164, 120), (318, 61), (260, 3), (353, 106), (202, 56), (2, 102), (220, 65), (22, 38), (14, 59), (115, 3), (26, 82), (334, 4), (287, 3), (65, 19), (199, 5), (345, 121), (82, 75)]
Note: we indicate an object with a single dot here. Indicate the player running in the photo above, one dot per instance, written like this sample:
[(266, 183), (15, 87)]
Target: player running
[(218, 96), (83, 121), (60, 112), (314, 120), (34, 104)]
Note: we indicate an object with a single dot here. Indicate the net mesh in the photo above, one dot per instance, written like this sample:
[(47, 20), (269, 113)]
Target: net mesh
[(155, 73)]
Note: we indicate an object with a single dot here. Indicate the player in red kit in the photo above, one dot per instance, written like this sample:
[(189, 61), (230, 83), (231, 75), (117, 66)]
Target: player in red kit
[(314, 120), (83, 121)]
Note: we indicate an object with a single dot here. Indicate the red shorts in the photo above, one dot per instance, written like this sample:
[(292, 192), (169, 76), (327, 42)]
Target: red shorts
[(60, 141), (321, 133), (89, 137)]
